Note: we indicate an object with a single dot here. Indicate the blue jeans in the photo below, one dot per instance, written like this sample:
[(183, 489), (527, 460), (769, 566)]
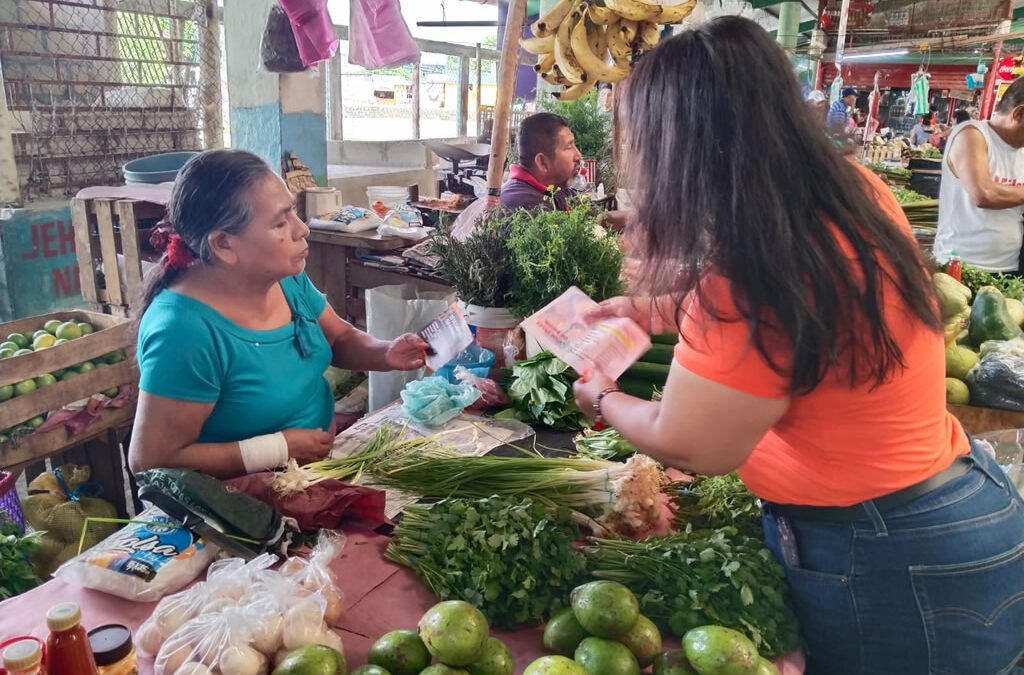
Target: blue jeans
[(935, 586)]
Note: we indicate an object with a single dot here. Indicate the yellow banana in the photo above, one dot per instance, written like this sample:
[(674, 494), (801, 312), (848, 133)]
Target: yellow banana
[(545, 63), (548, 24), (618, 44), (593, 62), (574, 92), (538, 45), (676, 13), (602, 16), (650, 33), (635, 10), (595, 36), (629, 30), (554, 76), (564, 57)]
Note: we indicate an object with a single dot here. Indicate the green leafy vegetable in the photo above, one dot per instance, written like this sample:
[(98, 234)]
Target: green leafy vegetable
[(704, 577), (605, 444), (908, 196), (16, 573), (540, 392), (975, 279), (513, 559), (712, 502)]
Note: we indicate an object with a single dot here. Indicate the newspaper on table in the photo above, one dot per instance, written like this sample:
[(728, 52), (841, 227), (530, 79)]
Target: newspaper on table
[(610, 345), (469, 435)]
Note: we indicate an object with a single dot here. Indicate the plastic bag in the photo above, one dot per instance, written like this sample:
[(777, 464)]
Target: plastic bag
[(998, 382), (1008, 449), (491, 393), (325, 504), (143, 561), (348, 219), (433, 401), (218, 641), (278, 51), (378, 35), (313, 29), (316, 576)]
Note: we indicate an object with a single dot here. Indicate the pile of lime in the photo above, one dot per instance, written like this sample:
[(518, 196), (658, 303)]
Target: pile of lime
[(453, 638), (53, 334), (604, 633)]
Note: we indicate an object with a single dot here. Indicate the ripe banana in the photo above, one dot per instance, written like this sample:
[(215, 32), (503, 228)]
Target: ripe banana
[(629, 30), (548, 24), (574, 92), (564, 56), (618, 43), (650, 33), (602, 16), (538, 45), (676, 13), (594, 61), (545, 63), (554, 76), (635, 10)]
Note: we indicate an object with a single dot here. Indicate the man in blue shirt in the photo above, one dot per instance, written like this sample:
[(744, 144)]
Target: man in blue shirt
[(839, 113)]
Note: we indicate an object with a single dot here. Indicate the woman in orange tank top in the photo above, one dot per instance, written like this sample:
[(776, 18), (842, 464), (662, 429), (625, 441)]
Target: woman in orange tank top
[(811, 361)]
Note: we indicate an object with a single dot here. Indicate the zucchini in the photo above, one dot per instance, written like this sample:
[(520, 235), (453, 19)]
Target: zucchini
[(665, 339), (659, 354), (655, 373), (638, 388)]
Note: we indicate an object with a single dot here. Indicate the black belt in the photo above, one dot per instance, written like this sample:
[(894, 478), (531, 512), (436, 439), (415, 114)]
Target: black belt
[(884, 504)]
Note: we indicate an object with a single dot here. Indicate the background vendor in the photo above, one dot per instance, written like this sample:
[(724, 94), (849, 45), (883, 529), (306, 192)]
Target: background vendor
[(548, 158), (981, 197), (234, 339)]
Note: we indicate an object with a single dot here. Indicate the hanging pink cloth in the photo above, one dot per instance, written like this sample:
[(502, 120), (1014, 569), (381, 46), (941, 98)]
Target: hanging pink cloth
[(313, 29), (378, 36)]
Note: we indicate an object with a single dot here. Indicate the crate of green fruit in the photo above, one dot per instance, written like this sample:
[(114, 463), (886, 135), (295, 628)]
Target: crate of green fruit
[(49, 361)]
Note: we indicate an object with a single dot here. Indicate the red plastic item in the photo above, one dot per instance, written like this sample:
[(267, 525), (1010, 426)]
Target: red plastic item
[(955, 268), (67, 649), (10, 641)]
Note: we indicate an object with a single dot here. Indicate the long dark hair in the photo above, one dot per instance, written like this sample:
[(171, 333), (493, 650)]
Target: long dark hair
[(210, 194), (733, 174)]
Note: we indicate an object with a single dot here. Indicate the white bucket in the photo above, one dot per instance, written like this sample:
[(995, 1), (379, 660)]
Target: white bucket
[(391, 196), (495, 328)]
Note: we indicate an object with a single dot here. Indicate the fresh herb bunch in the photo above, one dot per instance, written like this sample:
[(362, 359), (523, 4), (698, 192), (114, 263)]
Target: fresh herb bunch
[(540, 392), (605, 444), (712, 502), (477, 266), (513, 559), (696, 578), (16, 573), (908, 196), (974, 279), (553, 250)]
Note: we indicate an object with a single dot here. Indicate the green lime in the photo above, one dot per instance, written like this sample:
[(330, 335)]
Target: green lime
[(605, 608), (57, 373), (114, 357), (68, 374), (7, 353), (6, 392), (36, 422), (112, 392), (25, 387), (957, 392), (86, 328), (563, 633), (10, 344), (22, 352), (400, 652), (40, 332), (43, 341), (19, 339), (59, 341), (311, 660), (68, 331), (85, 367), (3, 439), (454, 632), (44, 380), (51, 326)]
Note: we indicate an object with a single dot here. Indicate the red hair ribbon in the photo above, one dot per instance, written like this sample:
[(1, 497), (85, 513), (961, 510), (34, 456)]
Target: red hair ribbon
[(179, 255)]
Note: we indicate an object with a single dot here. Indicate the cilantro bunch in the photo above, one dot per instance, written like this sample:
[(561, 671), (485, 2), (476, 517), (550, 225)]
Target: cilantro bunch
[(711, 502), (16, 573), (513, 559)]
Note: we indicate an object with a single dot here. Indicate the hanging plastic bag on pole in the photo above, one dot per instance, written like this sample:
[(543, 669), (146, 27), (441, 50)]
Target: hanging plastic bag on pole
[(313, 29), (378, 36)]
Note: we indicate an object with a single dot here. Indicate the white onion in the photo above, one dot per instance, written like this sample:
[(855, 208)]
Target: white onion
[(241, 659)]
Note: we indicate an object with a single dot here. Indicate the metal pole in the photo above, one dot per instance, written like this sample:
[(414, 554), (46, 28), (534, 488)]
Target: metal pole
[(479, 89), (462, 108), (416, 99), (334, 91), (844, 16), (503, 104)]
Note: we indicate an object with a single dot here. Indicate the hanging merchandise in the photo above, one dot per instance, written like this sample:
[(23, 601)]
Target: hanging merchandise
[(835, 92), (313, 29), (279, 53), (378, 36), (919, 92), (874, 98)]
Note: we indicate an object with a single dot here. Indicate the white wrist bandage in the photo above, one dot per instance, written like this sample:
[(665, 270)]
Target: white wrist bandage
[(260, 453)]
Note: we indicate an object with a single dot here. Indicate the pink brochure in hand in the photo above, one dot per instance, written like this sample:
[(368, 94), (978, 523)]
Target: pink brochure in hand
[(608, 345)]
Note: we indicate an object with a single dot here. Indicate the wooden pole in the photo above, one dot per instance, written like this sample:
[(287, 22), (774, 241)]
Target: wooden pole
[(416, 76), (503, 101), (479, 82)]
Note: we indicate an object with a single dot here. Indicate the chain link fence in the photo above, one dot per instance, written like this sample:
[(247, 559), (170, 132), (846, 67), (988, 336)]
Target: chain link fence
[(92, 84)]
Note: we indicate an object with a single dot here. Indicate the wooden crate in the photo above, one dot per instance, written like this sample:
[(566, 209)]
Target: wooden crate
[(978, 420), (105, 229), (111, 333)]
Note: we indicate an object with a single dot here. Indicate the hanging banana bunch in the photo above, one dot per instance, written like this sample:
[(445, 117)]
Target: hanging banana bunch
[(580, 43)]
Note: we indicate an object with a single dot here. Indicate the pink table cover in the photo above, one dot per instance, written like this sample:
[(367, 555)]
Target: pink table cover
[(379, 597)]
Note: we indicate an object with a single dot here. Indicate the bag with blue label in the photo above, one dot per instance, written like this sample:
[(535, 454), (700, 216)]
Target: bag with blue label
[(143, 561)]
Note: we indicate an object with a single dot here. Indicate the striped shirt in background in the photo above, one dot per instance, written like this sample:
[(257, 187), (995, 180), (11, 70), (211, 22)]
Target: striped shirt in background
[(837, 116)]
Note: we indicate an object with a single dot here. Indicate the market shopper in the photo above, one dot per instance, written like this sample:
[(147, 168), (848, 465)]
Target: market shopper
[(811, 360), (234, 339), (922, 132), (548, 160), (981, 197), (839, 113)]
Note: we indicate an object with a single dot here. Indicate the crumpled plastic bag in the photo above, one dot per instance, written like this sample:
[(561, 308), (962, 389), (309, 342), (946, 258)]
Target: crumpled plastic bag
[(998, 382), (1008, 449), (491, 393), (433, 401)]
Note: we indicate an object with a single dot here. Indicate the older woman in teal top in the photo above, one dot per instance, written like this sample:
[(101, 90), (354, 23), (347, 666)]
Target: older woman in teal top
[(234, 339)]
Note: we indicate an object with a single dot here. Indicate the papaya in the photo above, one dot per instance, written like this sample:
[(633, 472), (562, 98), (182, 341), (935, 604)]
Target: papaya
[(1016, 310), (954, 297), (955, 325), (990, 320)]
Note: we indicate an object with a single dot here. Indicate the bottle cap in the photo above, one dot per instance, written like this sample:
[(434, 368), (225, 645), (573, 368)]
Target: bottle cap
[(64, 616), (110, 643), (22, 655)]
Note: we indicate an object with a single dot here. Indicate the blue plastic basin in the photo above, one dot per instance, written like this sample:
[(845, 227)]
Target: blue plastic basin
[(156, 168), (475, 359)]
